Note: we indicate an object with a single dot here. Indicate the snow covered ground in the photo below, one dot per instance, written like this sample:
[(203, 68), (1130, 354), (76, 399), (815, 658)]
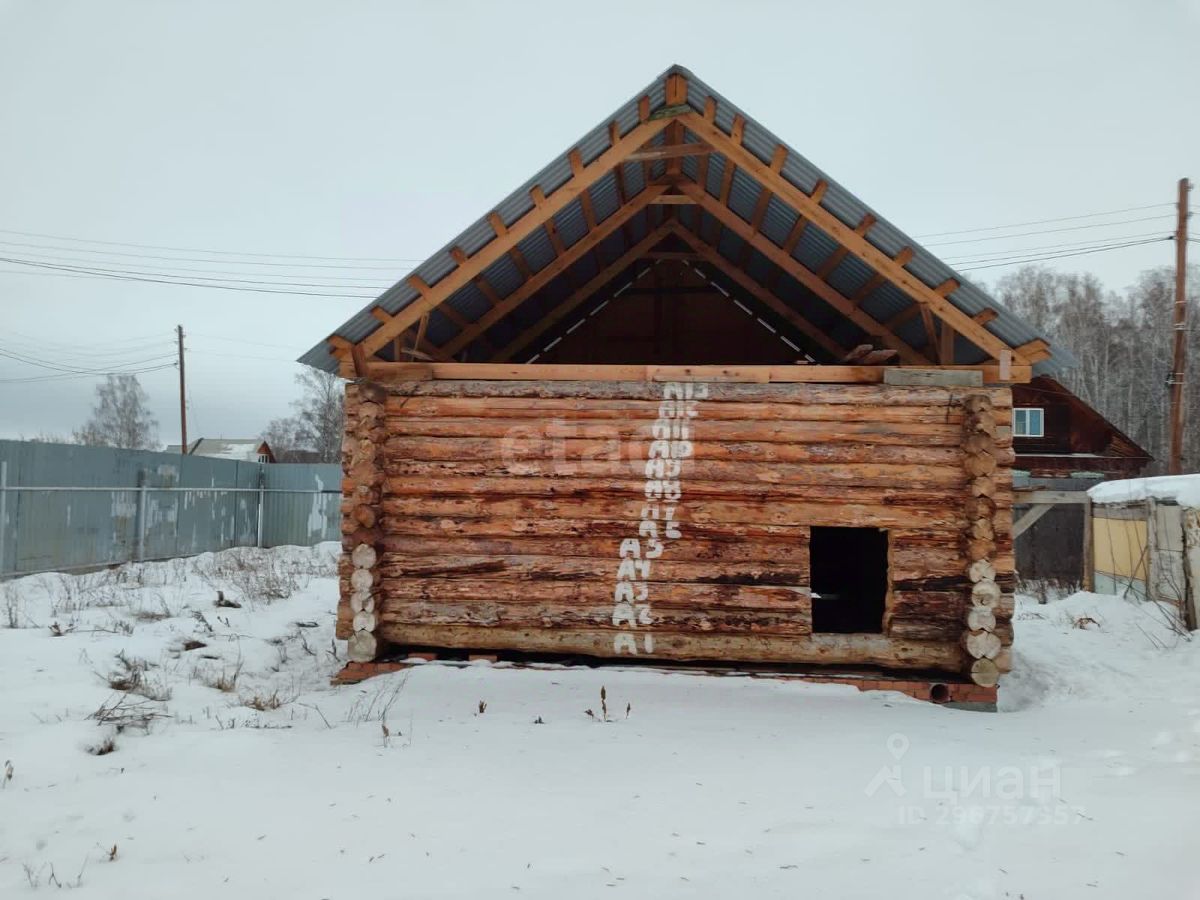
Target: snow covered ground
[(236, 770)]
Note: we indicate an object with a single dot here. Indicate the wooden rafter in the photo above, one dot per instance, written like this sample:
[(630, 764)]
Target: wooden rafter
[(792, 241), (836, 257), (603, 277), (712, 256), (775, 254), (418, 342), (543, 277), (614, 134), (515, 233), (731, 147), (876, 281), (764, 200)]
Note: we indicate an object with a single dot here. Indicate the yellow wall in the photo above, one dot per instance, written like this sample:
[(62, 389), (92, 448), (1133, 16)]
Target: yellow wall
[(1119, 547)]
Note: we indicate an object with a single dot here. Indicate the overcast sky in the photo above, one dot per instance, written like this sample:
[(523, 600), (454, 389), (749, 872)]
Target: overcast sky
[(346, 128)]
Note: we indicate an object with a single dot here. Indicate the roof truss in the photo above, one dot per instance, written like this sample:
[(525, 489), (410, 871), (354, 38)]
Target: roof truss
[(942, 321)]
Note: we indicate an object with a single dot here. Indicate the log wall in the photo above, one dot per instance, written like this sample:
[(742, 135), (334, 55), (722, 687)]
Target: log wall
[(671, 520)]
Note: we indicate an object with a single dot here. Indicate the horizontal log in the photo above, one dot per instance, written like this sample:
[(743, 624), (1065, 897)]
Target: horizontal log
[(839, 649), (699, 510), (680, 619), (413, 473), (603, 453), (386, 372), (790, 549), (575, 408), (601, 568), (597, 593), (566, 492), (700, 431), (808, 394)]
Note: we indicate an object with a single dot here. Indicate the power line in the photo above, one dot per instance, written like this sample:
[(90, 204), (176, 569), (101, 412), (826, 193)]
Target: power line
[(984, 255), (96, 273), (60, 237), (230, 277), (201, 258), (76, 370), (70, 376), (1045, 231), (1049, 257), (1111, 212)]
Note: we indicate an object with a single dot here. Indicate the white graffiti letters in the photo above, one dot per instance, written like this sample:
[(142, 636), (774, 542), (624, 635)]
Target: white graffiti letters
[(670, 445)]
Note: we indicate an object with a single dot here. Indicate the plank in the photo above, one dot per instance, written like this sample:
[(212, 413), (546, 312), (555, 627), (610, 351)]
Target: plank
[(386, 371)]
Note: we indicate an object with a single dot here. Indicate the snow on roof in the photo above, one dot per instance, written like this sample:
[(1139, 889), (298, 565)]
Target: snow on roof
[(243, 449), (1182, 489)]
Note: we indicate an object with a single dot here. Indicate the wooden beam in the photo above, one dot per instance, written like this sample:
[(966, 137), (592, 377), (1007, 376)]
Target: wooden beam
[(614, 134), (585, 196), (711, 255), (927, 320), (543, 277), (787, 374), (876, 281), (945, 344), (985, 315), (382, 316), (603, 277), (670, 151), (797, 231), (775, 254), (673, 200), (1035, 350), (516, 232), (1031, 515), (836, 257), (856, 243)]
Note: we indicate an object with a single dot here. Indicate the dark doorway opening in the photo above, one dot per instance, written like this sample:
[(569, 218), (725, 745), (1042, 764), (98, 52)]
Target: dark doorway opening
[(849, 579)]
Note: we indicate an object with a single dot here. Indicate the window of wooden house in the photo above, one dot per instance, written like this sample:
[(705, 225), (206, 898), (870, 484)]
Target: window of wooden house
[(1028, 421), (849, 578)]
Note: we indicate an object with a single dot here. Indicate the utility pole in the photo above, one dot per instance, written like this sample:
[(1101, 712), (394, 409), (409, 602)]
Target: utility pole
[(183, 443), (1179, 327)]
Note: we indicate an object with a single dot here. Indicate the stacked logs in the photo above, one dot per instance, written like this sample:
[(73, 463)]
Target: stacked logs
[(986, 649), (361, 534)]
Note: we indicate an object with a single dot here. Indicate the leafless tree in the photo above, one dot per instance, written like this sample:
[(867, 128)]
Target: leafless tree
[(1123, 346), (317, 422), (120, 417)]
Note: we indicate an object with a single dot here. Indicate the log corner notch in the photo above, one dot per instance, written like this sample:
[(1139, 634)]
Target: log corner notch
[(362, 488), (987, 654)]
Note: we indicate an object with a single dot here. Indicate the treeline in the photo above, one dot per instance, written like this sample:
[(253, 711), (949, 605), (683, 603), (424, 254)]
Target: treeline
[(1123, 344)]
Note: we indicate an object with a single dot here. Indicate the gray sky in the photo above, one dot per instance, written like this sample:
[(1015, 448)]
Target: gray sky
[(347, 128)]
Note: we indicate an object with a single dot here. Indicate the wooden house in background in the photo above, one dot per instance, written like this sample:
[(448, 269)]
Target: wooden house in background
[(681, 396), (1056, 435)]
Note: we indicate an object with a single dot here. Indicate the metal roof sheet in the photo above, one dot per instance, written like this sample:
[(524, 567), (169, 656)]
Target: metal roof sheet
[(813, 249)]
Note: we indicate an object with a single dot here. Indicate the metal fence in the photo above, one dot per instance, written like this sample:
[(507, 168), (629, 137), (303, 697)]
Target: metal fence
[(64, 507)]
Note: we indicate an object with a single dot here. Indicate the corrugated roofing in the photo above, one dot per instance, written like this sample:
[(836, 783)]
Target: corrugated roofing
[(814, 248)]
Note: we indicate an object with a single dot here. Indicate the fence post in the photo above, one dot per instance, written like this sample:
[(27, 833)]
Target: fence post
[(140, 547), (262, 496), (1089, 564), (3, 509)]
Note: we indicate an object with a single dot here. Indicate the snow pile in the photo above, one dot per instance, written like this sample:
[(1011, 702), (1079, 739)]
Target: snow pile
[(1093, 646), (171, 731), (1182, 489)]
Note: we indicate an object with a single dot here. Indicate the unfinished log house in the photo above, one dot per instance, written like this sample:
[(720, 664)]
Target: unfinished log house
[(683, 397)]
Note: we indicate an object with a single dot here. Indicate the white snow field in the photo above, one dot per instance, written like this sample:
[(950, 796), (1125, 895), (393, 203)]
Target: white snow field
[(495, 781)]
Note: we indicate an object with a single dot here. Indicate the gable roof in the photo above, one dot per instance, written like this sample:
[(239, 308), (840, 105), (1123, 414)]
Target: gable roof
[(771, 190)]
